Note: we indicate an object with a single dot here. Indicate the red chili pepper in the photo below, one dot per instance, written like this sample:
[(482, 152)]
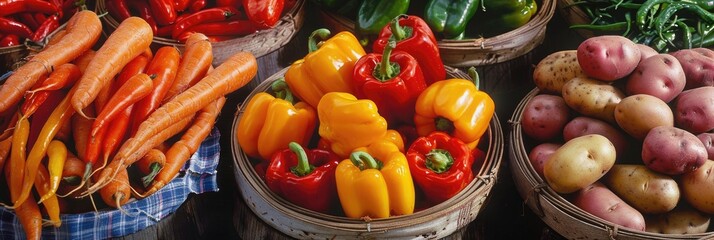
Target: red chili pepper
[(165, 31), (164, 66), (144, 11), (29, 20), (40, 17), (231, 28), (197, 5), (10, 40), (229, 3), (14, 28), (203, 16), (163, 11), (265, 13), (10, 7), (419, 42), (181, 5), (119, 9), (392, 80), (306, 178), (440, 165), (48, 26), (70, 7)]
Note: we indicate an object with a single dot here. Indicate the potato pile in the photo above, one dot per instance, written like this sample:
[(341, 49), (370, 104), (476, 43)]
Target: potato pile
[(625, 133)]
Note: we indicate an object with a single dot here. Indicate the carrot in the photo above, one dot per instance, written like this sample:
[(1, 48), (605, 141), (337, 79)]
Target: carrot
[(83, 30), (72, 174), (136, 88), (51, 204), (57, 155), (117, 133), (181, 151), (64, 134), (81, 128), (83, 60), (5, 146), (18, 157), (118, 191), (55, 38), (134, 67), (59, 116), (131, 38), (196, 59), (164, 66), (30, 217), (150, 165), (63, 76)]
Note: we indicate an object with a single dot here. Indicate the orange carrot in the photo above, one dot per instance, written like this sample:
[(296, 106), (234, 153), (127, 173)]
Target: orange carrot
[(164, 67), (31, 218), (63, 76), (55, 38), (132, 91), (181, 151), (51, 204), (118, 191), (150, 164), (81, 128), (72, 174), (5, 146), (131, 38), (83, 60), (196, 59), (18, 157), (83, 30), (64, 134)]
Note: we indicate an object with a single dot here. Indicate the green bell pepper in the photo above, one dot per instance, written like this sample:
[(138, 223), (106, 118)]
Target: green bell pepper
[(450, 17), (500, 16), (373, 15)]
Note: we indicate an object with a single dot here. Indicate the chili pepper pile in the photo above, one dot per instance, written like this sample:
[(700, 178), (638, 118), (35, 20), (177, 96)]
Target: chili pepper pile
[(33, 20), (665, 25), (367, 135), (219, 20), (448, 19)]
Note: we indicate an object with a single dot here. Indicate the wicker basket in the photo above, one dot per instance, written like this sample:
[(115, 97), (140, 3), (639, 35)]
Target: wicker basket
[(435, 222), (481, 51), (13, 57), (259, 43), (561, 215)]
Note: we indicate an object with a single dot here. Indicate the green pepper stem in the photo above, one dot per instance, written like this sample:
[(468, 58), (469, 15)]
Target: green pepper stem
[(312, 41), (364, 161), (387, 70), (303, 167), (397, 30), (474, 76), (444, 125), (439, 160), (281, 90)]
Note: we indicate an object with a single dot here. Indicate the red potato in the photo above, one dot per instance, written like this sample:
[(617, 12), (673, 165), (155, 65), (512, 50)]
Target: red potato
[(646, 51), (708, 141), (608, 57), (672, 151), (598, 200), (540, 154), (660, 75), (694, 110), (545, 116), (581, 126), (698, 66)]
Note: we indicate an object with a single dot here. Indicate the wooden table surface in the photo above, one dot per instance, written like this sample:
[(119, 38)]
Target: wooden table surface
[(224, 215)]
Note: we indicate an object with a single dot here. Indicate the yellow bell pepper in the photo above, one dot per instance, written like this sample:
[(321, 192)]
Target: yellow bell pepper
[(348, 123), (270, 123), (325, 69), (375, 182), (455, 106)]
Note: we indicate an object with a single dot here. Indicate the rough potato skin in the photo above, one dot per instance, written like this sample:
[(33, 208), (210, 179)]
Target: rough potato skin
[(608, 57), (682, 220), (660, 75), (698, 65), (545, 116), (672, 151), (579, 163), (555, 70), (592, 98), (694, 110)]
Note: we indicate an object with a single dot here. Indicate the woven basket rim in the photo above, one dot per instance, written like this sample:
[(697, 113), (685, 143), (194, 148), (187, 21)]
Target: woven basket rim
[(480, 187), (291, 21), (519, 156)]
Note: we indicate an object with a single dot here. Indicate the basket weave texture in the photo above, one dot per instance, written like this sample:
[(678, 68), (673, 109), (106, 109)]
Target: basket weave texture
[(434, 222), (557, 212)]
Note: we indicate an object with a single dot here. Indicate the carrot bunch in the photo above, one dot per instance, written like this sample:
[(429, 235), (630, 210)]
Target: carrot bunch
[(74, 120)]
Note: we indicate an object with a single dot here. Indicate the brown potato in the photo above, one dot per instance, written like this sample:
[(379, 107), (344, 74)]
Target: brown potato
[(698, 187), (555, 70), (579, 163), (637, 114), (647, 191), (660, 75), (672, 151), (598, 200), (592, 98), (682, 220), (544, 117), (608, 57)]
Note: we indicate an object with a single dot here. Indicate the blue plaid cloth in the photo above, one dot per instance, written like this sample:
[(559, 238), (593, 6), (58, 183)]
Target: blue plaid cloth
[(199, 177)]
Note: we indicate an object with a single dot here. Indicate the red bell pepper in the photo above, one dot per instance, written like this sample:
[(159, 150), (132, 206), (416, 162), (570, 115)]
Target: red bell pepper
[(49, 25), (305, 178), (415, 37), (10, 7), (203, 16), (440, 165), (15, 28), (265, 13), (393, 80), (163, 11)]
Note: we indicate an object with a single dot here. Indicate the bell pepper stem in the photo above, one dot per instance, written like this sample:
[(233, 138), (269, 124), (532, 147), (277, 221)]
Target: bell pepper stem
[(439, 160), (322, 33), (444, 125), (303, 167), (364, 161), (281, 90), (399, 32), (387, 70), (474, 77)]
